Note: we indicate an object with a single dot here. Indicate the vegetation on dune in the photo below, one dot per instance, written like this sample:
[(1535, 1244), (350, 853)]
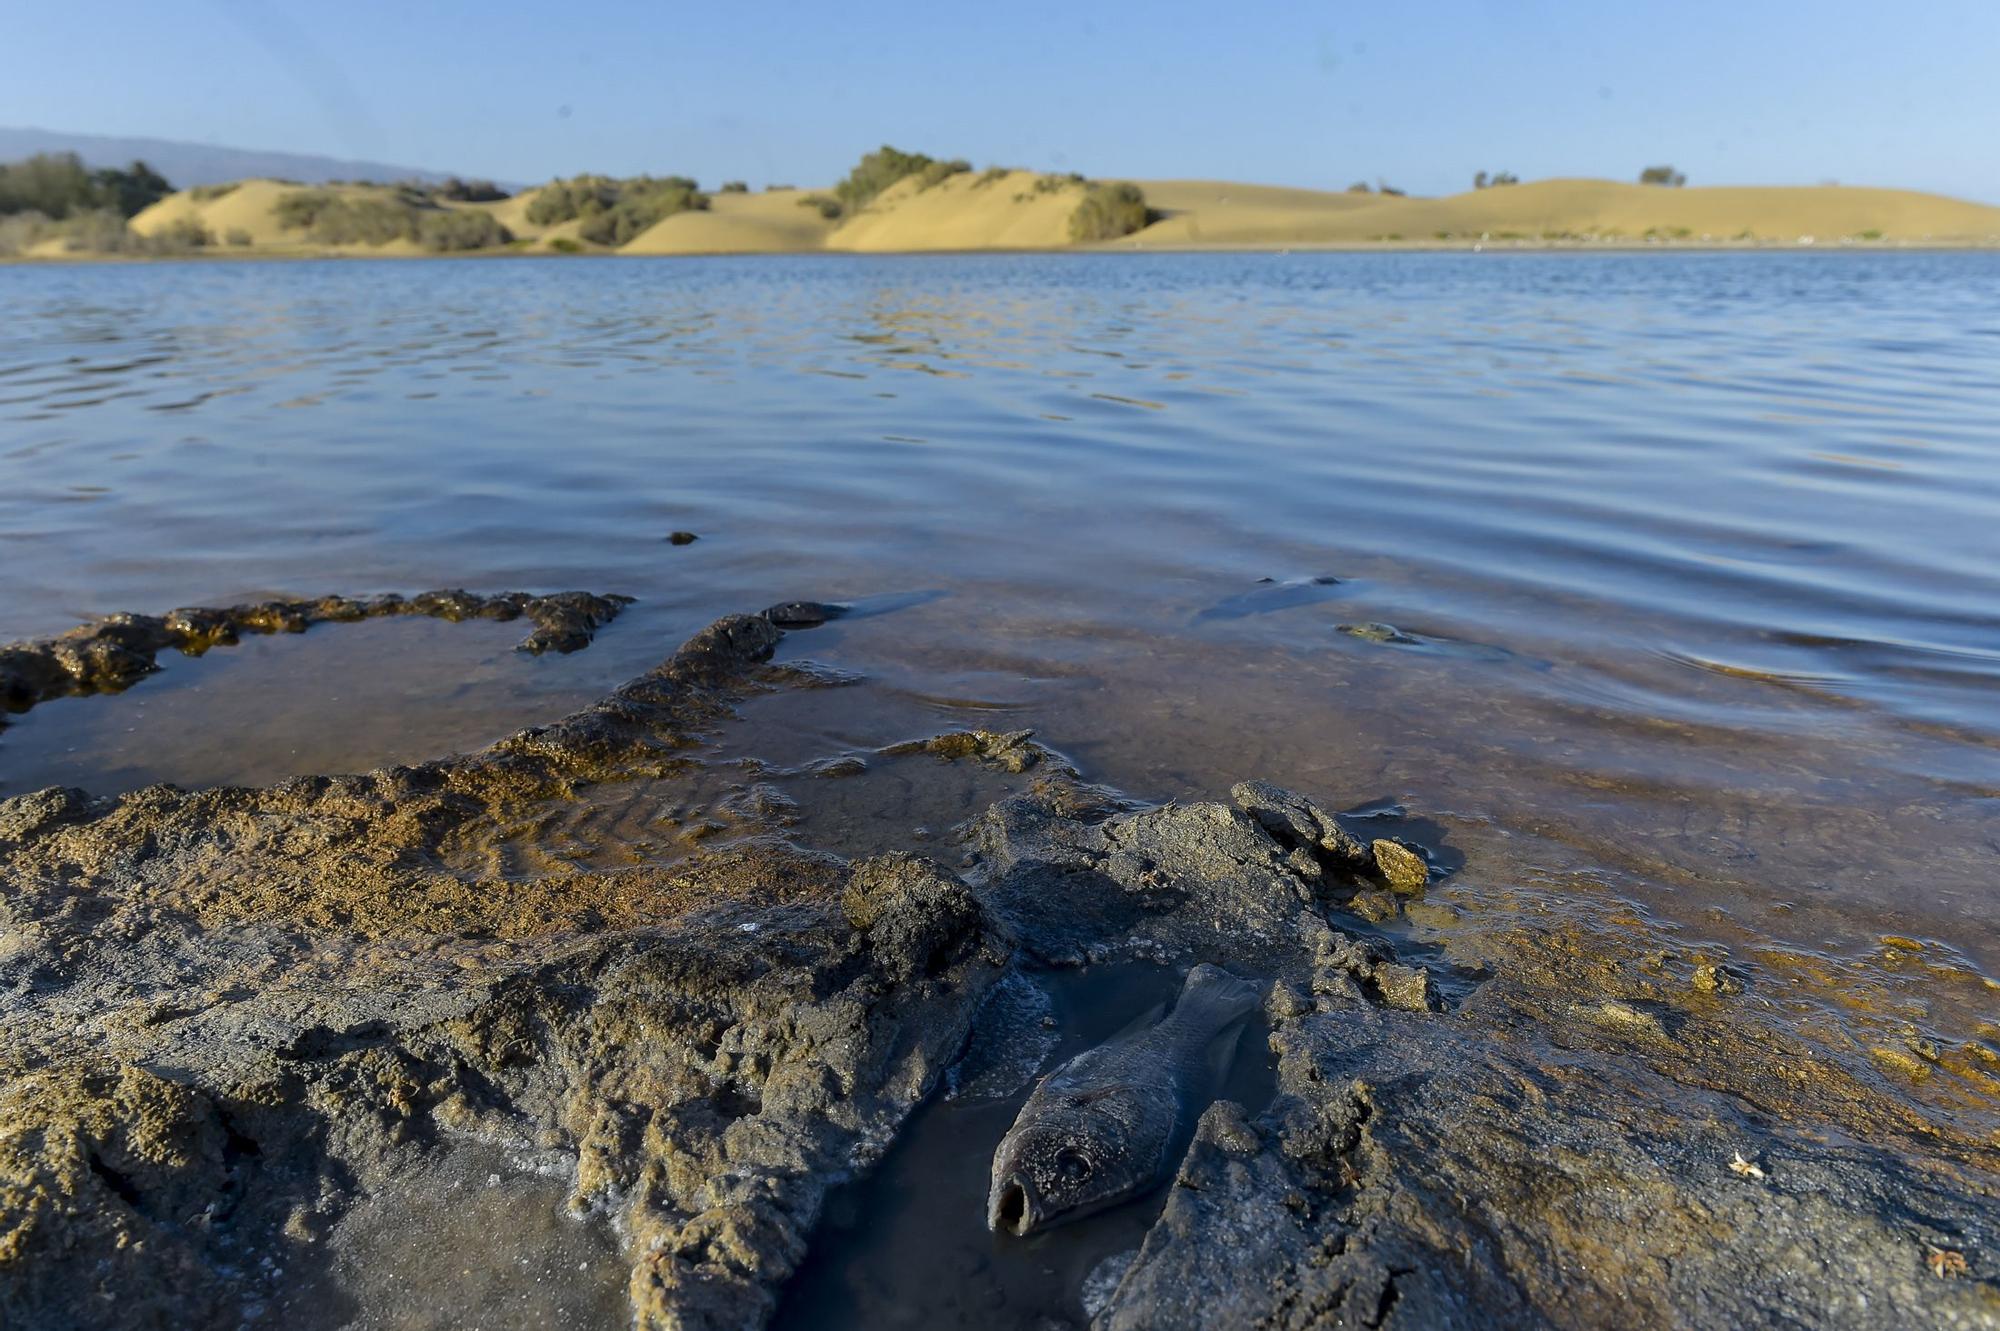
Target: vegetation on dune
[(611, 211), (1662, 175), (58, 185), (99, 231), (448, 229), (1495, 180), (829, 207), (884, 167), (1360, 187), (939, 172), (210, 193), (989, 175), (1384, 187), (735, 187), (469, 191), (331, 218), (1107, 212)]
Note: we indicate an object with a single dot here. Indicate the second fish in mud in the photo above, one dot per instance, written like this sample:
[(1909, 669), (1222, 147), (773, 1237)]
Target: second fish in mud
[(1110, 1124)]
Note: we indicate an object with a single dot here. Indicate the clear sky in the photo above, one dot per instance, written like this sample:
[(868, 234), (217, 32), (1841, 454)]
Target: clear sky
[(1422, 95)]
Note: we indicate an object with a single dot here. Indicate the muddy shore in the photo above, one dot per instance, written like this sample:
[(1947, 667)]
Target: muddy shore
[(239, 1021)]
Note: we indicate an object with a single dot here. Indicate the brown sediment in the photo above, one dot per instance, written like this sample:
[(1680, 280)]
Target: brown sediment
[(119, 650), (227, 1015)]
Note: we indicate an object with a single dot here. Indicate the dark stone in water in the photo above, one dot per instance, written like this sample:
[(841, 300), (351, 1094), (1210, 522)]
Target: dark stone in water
[(682, 538), (804, 614)]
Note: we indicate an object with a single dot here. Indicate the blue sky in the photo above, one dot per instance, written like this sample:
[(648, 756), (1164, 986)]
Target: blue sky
[(1750, 91)]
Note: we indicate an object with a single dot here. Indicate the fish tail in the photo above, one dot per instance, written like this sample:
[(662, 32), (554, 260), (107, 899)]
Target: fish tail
[(1213, 999)]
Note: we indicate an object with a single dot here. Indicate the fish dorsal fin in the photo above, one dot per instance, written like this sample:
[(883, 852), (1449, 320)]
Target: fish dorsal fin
[(1145, 1021)]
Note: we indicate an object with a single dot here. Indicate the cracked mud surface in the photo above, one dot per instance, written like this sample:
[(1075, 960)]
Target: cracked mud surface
[(243, 1028)]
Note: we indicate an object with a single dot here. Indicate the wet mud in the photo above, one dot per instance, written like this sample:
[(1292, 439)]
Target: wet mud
[(249, 1036)]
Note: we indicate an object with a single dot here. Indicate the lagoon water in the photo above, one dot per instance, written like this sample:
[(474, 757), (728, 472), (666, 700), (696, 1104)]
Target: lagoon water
[(1665, 587)]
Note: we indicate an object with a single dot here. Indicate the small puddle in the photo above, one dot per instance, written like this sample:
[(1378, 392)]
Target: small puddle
[(340, 698), (479, 1241), (908, 1246)]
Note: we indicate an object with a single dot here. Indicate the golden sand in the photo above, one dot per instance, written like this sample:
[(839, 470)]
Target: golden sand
[(1029, 210), (1549, 211), (774, 222)]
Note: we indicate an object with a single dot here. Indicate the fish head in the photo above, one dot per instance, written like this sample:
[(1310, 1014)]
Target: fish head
[(1059, 1168)]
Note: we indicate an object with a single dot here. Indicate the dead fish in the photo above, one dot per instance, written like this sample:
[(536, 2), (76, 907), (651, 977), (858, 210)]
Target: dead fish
[(1111, 1123), (1269, 597)]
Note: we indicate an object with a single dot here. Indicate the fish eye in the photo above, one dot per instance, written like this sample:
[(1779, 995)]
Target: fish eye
[(1072, 1165)]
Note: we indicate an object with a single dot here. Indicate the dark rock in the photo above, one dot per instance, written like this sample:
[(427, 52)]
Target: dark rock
[(803, 614), (682, 538), (1296, 821)]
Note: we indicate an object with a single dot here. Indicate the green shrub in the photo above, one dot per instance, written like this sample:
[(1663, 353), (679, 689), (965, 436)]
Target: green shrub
[(237, 237), (210, 193), (1384, 187), (829, 207), (469, 191), (884, 167), (1662, 175), (1049, 184), (332, 219), (565, 245), (1871, 234), (642, 203), (1498, 178), (445, 230), (613, 211), (57, 185), (989, 175), (1107, 212), (939, 172), (735, 187), (565, 200), (772, 189), (176, 237)]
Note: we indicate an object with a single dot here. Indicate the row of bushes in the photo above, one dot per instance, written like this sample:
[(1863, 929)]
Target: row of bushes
[(100, 231), (57, 185), (329, 218), (613, 210)]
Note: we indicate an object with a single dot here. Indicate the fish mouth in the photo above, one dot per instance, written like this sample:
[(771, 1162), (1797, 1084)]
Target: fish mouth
[(1012, 1208)]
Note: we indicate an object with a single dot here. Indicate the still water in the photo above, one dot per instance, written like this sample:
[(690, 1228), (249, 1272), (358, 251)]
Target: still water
[(1666, 581)]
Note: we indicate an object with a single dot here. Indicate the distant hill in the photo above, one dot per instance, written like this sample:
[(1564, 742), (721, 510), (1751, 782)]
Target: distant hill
[(189, 164)]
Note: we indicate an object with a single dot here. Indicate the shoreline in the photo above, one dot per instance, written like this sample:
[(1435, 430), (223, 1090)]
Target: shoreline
[(1272, 248)]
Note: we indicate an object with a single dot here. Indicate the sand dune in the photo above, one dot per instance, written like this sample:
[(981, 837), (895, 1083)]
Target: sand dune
[(971, 211), (1550, 210), (1030, 210), (774, 222), (246, 210), (1216, 212)]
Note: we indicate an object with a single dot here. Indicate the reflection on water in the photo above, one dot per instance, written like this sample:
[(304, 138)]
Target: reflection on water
[(1666, 577)]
